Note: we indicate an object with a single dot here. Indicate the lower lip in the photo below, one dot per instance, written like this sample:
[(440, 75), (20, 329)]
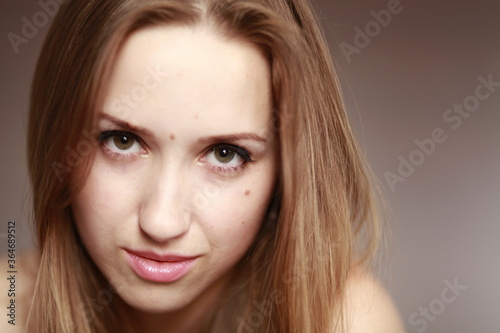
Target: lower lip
[(159, 271)]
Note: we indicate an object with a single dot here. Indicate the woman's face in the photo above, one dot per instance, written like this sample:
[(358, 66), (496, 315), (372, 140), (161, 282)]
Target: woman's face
[(185, 169)]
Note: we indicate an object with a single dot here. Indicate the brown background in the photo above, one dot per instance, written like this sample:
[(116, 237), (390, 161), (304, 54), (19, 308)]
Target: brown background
[(446, 215)]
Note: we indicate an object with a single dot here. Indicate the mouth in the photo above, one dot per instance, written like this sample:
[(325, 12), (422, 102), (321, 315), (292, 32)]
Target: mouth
[(154, 267)]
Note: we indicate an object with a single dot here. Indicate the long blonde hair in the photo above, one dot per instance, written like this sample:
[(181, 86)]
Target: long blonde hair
[(294, 277)]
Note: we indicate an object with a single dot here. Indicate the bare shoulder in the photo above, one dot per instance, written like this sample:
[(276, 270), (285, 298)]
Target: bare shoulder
[(370, 308), (17, 290)]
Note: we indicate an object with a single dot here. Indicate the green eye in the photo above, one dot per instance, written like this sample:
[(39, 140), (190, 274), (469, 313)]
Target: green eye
[(123, 141), (121, 145), (224, 154)]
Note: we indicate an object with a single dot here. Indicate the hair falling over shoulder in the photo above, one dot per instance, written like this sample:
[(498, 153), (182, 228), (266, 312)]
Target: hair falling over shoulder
[(293, 279)]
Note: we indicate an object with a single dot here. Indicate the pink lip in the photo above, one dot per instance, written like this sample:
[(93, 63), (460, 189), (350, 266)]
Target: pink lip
[(159, 268)]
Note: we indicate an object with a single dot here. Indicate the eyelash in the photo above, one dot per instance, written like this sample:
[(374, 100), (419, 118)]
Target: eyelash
[(239, 151), (106, 135)]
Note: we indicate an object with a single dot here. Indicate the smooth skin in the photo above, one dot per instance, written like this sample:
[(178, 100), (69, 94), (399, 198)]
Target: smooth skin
[(187, 168), (187, 165)]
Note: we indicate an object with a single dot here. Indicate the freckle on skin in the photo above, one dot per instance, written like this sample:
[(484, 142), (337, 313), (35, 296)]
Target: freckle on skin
[(196, 116), (172, 137), (247, 192)]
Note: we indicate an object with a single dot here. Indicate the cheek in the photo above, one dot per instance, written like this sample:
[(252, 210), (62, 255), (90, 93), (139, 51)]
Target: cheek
[(102, 207), (227, 216), (232, 218)]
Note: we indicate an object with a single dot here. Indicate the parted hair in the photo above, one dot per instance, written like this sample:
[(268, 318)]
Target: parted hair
[(323, 219)]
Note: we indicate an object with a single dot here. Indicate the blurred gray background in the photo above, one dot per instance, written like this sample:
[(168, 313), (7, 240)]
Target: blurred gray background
[(406, 68)]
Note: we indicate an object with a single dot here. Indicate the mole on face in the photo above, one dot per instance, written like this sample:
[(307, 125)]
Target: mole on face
[(172, 137), (247, 192)]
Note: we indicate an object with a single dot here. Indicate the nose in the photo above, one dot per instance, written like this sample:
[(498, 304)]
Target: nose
[(163, 213)]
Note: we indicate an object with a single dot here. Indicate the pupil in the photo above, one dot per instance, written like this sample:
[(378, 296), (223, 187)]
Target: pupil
[(124, 140)]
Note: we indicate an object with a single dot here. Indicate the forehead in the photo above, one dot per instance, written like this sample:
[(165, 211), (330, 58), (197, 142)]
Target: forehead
[(174, 74)]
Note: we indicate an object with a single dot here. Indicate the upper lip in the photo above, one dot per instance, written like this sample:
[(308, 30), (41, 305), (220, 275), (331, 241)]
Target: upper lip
[(160, 257)]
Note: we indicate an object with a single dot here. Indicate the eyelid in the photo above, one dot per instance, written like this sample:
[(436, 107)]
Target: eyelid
[(110, 133)]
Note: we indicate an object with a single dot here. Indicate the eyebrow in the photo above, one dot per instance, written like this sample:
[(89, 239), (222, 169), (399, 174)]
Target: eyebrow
[(216, 138), (233, 137), (125, 125)]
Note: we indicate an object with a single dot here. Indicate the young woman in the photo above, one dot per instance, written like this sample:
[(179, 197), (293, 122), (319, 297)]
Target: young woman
[(193, 170)]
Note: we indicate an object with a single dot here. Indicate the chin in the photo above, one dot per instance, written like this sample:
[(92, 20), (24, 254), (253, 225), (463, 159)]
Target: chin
[(159, 304)]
